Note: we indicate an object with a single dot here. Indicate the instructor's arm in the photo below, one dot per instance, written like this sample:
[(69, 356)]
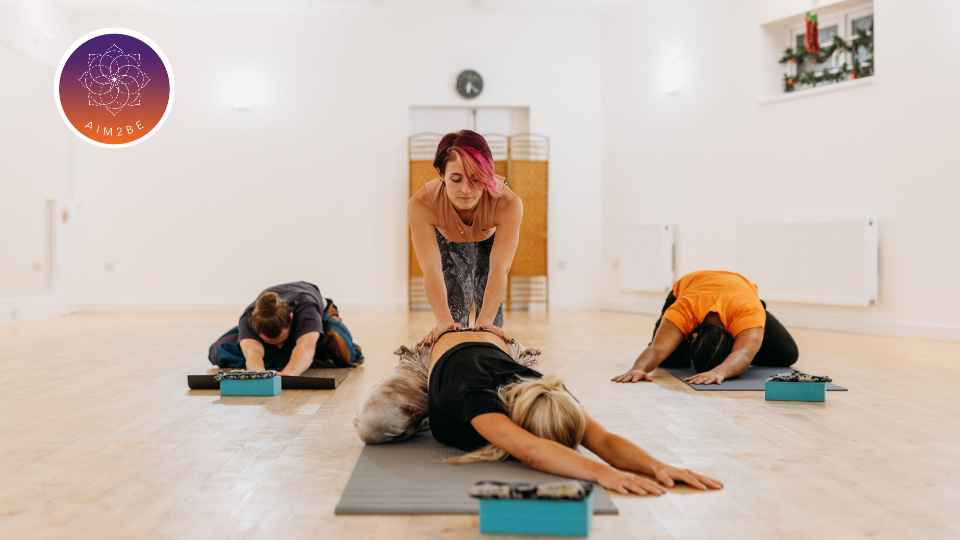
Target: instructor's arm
[(501, 258), (424, 239)]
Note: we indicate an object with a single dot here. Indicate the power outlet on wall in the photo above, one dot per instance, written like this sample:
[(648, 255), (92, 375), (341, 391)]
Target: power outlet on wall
[(109, 266), (37, 266)]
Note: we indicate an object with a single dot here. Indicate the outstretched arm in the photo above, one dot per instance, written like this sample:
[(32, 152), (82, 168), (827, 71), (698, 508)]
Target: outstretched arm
[(554, 458), (627, 456), (252, 354), (302, 356), (745, 347), (666, 340)]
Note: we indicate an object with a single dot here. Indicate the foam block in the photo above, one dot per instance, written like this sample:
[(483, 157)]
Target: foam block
[(251, 387), (795, 391), (539, 517)]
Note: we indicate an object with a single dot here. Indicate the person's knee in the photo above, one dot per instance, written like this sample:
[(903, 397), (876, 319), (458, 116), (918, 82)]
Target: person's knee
[(790, 352)]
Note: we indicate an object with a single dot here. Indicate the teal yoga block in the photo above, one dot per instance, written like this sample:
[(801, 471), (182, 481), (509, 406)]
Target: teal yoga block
[(795, 391), (251, 387), (536, 516)]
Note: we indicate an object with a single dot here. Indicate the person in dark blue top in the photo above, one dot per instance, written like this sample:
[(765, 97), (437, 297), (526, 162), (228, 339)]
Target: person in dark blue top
[(290, 328)]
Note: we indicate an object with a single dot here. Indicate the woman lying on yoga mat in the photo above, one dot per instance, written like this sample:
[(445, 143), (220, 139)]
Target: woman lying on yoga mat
[(465, 227), (289, 328), (715, 323), (482, 401)]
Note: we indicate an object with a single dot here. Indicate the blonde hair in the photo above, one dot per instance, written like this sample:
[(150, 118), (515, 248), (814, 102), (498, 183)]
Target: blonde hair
[(542, 407)]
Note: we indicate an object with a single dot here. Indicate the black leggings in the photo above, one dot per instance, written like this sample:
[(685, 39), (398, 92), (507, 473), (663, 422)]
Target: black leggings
[(778, 348)]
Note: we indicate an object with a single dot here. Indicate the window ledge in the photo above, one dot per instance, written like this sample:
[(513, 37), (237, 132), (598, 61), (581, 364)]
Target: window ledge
[(800, 94)]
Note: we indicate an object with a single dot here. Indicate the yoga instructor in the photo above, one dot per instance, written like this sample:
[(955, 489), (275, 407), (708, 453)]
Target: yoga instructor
[(465, 227)]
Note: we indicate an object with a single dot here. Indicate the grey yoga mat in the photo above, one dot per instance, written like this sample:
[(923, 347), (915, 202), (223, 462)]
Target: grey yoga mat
[(753, 379), (409, 478)]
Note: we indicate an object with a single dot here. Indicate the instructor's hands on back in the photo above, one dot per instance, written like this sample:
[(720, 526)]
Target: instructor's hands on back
[(495, 330), (441, 327), (438, 329)]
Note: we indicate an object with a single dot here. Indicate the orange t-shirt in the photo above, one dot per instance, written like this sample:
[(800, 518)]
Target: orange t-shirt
[(733, 297)]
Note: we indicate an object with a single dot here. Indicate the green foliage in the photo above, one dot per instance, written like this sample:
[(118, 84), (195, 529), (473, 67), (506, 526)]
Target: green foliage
[(799, 55)]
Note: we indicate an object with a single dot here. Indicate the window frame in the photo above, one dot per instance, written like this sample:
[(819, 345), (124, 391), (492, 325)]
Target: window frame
[(851, 16)]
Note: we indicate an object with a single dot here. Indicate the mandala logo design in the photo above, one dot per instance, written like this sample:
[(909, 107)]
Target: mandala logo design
[(113, 87), (113, 79)]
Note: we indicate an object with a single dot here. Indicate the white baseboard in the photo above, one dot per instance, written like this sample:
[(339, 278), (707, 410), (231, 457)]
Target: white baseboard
[(51, 305), (872, 326), (32, 308), (644, 306), (344, 304), (854, 322)]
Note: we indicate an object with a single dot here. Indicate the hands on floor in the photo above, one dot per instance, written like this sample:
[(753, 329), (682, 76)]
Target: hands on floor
[(633, 375), (707, 377), (669, 475), (628, 483)]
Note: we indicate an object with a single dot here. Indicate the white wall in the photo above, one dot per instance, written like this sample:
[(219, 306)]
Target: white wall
[(711, 153), (311, 182), (36, 164), (654, 111)]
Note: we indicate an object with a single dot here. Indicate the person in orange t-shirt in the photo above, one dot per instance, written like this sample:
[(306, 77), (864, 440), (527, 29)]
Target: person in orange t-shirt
[(715, 322)]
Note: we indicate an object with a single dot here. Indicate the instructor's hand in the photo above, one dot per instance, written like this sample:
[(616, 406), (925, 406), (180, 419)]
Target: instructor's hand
[(632, 376), (438, 329), (495, 330)]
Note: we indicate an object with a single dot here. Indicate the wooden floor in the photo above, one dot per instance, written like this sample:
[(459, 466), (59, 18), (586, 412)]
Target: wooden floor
[(100, 438)]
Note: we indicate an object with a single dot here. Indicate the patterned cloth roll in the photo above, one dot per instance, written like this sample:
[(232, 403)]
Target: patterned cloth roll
[(243, 375), (569, 490), (799, 376)]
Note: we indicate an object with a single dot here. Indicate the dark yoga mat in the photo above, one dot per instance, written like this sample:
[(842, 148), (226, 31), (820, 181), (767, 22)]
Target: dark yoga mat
[(312, 379), (753, 379), (409, 478)]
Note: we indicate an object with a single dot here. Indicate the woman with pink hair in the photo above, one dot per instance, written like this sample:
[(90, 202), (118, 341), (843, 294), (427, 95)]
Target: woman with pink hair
[(465, 227)]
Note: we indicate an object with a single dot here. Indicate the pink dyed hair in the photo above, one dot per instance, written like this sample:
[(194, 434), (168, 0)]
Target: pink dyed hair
[(472, 150)]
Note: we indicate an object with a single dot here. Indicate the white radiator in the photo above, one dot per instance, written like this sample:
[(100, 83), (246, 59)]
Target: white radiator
[(647, 258), (832, 262)]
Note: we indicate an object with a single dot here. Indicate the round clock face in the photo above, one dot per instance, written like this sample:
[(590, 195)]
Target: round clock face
[(469, 84)]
